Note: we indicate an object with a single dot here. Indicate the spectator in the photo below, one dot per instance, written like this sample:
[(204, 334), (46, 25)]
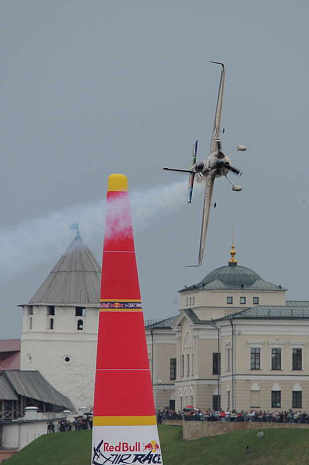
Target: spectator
[(260, 434)]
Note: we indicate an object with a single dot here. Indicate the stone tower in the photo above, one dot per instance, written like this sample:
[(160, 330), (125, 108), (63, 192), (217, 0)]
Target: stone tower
[(60, 324)]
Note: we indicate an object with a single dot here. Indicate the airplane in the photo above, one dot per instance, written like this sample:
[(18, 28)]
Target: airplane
[(217, 164)]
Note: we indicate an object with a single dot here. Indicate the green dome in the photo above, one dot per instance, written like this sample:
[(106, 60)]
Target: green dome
[(232, 276)]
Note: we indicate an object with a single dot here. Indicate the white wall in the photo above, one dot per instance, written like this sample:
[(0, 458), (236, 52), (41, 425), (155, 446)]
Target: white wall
[(17, 435), (65, 356)]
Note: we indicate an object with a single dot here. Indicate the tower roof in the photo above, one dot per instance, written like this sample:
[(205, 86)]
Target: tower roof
[(75, 280), (234, 276)]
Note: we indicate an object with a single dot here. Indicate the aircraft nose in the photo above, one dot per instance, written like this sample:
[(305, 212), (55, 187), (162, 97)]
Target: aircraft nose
[(219, 163)]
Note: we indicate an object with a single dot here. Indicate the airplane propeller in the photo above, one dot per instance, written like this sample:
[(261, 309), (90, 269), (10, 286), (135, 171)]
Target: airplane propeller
[(223, 164), (220, 163), (233, 169)]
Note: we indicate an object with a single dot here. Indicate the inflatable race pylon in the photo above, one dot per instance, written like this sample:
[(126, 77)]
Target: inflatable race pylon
[(124, 417)]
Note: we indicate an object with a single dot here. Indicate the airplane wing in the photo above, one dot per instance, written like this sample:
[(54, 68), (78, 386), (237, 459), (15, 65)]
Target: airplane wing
[(210, 180), (217, 123)]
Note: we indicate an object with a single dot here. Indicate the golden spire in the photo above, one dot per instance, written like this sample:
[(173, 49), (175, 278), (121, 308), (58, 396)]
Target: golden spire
[(232, 260)]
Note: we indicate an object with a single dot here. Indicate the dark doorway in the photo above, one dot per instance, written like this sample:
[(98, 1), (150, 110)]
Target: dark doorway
[(216, 402)]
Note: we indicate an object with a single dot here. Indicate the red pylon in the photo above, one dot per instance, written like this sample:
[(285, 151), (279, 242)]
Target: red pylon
[(124, 417)]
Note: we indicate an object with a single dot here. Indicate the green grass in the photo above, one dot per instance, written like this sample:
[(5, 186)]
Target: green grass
[(279, 446), (56, 449)]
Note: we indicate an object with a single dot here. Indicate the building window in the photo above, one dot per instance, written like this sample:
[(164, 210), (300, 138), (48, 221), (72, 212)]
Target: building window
[(30, 310), (228, 359), (80, 325), (79, 311), (216, 363), (242, 300), (188, 364), (276, 399), (229, 300), (51, 323), (255, 399), (276, 359), (30, 322), (216, 402), (297, 399), (190, 301), (297, 359), (187, 343), (182, 365), (173, 365), (67, 359), (50, 310), (256, 300), (255, 358), (192, 367)]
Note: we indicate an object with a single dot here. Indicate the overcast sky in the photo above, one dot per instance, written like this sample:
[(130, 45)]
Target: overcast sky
[(93, 88)]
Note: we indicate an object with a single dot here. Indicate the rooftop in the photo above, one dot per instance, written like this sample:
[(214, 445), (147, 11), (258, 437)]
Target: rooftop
[(293, 311), (156, 324), (33, 385), (234, 276), (75, 280), (9, 345), (9, 354)]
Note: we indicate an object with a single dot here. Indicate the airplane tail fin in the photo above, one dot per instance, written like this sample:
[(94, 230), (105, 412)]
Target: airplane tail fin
[(192, 174), (192, 171)]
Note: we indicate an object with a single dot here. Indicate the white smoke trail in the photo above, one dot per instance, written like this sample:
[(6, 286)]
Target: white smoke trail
[(35, 241)]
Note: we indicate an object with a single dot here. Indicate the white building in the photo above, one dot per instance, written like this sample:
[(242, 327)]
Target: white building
[(238, 344), (60, 324)]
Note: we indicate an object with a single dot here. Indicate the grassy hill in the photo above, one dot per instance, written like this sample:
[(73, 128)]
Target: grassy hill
[(282, 446)]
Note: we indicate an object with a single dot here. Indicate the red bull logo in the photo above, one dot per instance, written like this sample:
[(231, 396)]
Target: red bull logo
[(111, 305), (122, 447), (122, 305), (152, 445), (126, 453)]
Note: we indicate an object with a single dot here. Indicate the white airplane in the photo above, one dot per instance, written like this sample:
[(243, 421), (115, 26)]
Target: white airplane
[(217, 164)]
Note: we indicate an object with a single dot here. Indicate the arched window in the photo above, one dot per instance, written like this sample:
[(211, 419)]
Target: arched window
[(188, 342), (80, 325)]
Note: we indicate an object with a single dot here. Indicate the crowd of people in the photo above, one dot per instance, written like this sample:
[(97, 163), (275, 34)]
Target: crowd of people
[(78, 424), (290, 416)]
